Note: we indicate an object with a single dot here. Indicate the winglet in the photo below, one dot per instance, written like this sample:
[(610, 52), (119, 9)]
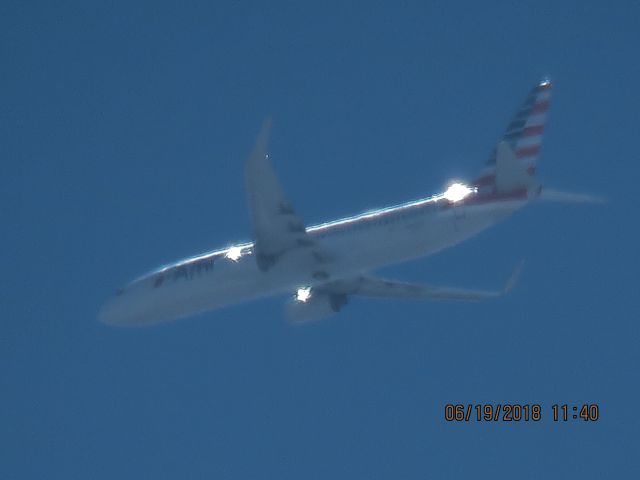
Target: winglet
[(513, 279)]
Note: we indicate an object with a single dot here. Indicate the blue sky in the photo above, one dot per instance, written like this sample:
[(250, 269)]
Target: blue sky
[(124, 129)]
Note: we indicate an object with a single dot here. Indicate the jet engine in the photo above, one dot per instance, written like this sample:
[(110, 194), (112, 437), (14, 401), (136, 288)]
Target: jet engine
[(309, 306)]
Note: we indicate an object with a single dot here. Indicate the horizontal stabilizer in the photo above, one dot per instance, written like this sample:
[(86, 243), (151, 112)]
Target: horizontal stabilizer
[(569, 197)]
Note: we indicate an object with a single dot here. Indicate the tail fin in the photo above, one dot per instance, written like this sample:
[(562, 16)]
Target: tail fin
[(519, 147)]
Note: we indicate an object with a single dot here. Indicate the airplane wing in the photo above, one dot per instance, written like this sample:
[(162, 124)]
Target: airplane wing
[(329, 298), (369, 286), (382, 288), (276, 227)]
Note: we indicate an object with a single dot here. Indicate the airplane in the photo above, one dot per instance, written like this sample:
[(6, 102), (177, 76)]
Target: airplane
[(322, 266)]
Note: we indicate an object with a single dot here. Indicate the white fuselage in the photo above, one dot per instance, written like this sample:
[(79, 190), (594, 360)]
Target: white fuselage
[(353, 245)]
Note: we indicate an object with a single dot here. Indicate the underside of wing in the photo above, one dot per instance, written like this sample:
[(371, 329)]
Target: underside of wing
[(318, 302), (382, 288), (276, 227)]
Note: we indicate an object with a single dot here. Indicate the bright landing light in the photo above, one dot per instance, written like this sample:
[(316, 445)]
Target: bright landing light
[(457, 191), (234, 253), (303, 294)]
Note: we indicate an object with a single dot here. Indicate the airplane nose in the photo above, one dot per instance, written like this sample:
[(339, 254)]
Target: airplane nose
[(126, 311), (134, 307), (119, 310)]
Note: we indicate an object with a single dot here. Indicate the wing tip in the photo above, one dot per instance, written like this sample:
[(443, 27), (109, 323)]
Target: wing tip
[(513, 279), (545, 83), (265, 133), (262, 142)]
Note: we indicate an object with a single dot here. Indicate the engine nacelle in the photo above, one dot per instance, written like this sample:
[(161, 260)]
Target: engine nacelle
[(314, 307)]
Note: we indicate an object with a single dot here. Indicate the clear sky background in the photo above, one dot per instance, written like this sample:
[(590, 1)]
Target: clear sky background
[(124, 129)]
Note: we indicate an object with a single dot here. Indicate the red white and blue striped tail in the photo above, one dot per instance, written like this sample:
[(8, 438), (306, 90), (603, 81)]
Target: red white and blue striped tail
[(523, 135)]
